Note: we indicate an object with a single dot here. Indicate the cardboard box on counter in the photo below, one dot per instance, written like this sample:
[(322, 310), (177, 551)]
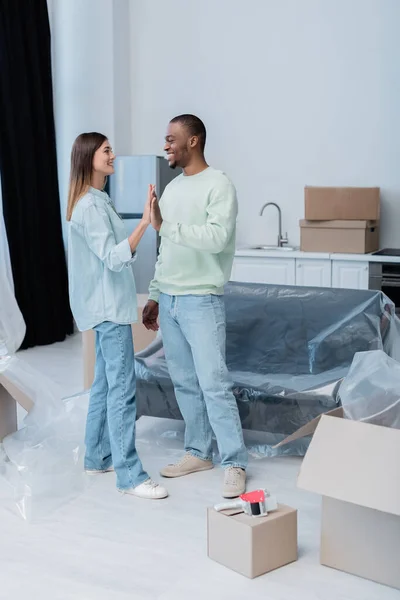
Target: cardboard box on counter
[(342, 203), (346, 237), (252, 546), (355, 467)]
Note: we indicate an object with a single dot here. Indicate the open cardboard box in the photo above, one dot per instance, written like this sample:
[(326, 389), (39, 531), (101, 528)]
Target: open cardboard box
[(10, 395), (355, 467)]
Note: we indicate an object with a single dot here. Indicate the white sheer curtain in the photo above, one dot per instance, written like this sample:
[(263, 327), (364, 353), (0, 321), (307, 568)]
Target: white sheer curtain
[(12, 324)]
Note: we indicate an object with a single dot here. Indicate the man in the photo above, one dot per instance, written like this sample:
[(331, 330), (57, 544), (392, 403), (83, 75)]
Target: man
[(196, 219)]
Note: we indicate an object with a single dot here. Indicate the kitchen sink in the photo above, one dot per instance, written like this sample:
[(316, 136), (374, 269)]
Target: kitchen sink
[(271, 248)]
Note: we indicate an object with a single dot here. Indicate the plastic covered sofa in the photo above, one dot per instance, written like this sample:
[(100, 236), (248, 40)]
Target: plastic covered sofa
[(288, 349)]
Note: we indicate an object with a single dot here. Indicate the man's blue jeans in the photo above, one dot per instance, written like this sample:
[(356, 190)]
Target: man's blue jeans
[(193, 331)]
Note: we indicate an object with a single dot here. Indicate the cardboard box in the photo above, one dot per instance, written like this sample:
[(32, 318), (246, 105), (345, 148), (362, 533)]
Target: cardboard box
[(9, 396), (355, 467), (141, 338), (342, 203), (346, 237), (253, 546)]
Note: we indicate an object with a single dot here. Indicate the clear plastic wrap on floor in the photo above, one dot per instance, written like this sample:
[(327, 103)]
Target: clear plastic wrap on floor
[(288, 350), (371, 390), (42, 462)]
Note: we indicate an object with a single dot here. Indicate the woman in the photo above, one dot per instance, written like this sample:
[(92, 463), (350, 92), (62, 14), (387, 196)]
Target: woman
[(103, 297)]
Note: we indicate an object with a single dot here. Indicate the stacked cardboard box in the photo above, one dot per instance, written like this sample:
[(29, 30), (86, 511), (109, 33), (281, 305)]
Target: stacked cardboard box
[(340, 219)]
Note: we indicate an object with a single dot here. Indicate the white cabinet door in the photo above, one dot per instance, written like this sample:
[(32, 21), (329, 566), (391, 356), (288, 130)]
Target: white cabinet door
[(313, 272), (350, 274), (279, 271)]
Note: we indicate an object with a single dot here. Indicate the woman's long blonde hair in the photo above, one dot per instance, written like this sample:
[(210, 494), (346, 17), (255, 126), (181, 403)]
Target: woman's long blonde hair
[(82, 154)]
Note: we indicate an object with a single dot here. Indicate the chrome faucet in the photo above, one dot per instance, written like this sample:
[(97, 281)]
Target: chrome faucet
[(281, 240)]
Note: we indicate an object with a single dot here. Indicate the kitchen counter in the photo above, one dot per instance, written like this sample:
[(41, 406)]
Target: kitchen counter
[(297, 253), (366, 257)]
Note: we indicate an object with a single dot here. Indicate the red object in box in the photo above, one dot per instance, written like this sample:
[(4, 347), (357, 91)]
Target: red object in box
[(253, 497)]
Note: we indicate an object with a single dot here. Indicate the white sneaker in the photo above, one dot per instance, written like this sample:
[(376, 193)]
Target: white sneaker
[(99, 471), (148, 490)]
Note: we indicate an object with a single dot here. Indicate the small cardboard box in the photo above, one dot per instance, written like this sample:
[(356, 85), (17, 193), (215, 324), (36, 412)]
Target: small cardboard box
[(342, 203), (253, 546), (352, 237), (355, 467)]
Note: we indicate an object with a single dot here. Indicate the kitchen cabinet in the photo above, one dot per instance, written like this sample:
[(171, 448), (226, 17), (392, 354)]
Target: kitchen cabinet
[(279, 271), (313, 272), (350, 274)]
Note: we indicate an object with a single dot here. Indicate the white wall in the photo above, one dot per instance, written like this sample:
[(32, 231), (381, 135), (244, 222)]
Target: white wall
[(292, 92), (91, 73), (122, 77)]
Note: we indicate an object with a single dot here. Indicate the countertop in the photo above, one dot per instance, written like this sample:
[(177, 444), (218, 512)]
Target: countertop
[(296, 253)]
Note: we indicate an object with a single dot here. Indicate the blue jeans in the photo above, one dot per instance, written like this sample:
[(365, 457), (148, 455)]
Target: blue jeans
[(193, 332), (110, 426)]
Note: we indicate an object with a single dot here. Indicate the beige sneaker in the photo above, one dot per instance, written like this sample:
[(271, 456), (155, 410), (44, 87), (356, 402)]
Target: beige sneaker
[(188, 464), (234, 482)]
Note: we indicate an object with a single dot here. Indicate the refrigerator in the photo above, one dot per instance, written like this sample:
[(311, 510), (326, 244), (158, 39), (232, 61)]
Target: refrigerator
[(127, 188)]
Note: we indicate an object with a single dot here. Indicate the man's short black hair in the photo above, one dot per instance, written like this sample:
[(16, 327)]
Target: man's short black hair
[(195, 127)]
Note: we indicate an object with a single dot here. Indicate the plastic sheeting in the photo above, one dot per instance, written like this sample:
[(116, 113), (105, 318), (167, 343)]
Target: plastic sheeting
[(106, 546), (288, 350), (42, 462), (12, 324), (371, 390)]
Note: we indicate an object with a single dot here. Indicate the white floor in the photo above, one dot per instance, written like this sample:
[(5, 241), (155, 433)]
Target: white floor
[(104, 546)]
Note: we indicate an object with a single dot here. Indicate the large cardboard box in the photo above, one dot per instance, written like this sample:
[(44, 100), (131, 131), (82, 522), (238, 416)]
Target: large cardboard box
[(141, 339), (253, 546), (350, 237), (355, 467), (342, 203)]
